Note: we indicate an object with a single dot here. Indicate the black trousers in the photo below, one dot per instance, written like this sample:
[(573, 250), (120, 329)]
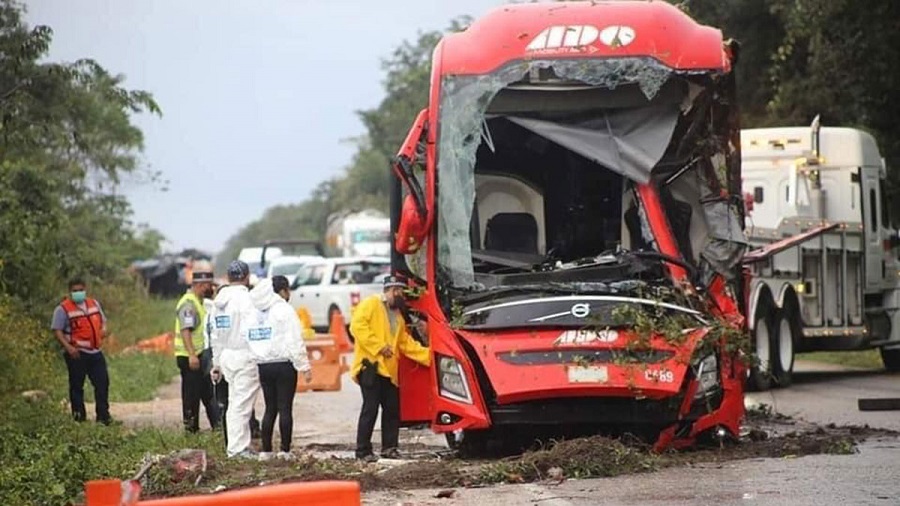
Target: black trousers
[(279, 385), (220, 394), (92, 366), (196, 387), (382, 393)]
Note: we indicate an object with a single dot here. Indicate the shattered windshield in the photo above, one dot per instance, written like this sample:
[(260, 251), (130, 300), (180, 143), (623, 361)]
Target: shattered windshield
[(538, 164)]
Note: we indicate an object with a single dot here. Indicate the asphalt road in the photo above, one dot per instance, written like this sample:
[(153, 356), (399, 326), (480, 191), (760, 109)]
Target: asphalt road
[(821, 393)]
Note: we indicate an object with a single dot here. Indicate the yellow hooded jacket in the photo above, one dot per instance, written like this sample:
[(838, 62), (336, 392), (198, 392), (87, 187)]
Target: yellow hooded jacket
[(371, 330)]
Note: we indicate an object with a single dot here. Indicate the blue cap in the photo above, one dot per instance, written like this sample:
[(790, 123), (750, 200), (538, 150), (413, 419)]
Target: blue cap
[(238, 270)]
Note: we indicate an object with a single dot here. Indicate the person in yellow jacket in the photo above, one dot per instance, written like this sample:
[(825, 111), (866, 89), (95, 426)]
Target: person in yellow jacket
[(381, 335), (191, 355)]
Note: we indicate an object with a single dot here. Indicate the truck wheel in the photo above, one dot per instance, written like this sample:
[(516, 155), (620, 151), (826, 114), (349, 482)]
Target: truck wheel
[(760, 378), (891, 359), (783, 351)]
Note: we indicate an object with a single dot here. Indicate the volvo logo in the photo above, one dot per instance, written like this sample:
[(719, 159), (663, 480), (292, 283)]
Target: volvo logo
[(581, 310)]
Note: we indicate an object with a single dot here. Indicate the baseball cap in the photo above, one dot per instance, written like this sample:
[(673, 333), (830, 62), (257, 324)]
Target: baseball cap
[(238, 270), (391, 281)]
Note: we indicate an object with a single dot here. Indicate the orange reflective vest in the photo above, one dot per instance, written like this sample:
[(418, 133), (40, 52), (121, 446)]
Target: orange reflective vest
[(85, 325)]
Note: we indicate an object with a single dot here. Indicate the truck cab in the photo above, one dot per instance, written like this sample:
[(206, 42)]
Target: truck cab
[(825, 272)]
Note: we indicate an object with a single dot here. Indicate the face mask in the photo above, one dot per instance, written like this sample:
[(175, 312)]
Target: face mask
[(79, 296)]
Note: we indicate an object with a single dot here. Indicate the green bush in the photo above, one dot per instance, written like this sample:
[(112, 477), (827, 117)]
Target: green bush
[(45, 457)]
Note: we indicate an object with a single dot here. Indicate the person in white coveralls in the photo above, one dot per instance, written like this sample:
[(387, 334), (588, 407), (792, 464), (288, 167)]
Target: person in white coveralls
[(276, 346), (233, 313)]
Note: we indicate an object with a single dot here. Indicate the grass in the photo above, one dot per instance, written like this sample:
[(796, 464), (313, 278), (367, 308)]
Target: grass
[(139, 318), (47, 457), (867, 359), (135, 377)]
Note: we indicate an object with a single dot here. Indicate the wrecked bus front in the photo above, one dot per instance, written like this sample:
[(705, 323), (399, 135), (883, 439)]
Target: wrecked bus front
[(569, 213)]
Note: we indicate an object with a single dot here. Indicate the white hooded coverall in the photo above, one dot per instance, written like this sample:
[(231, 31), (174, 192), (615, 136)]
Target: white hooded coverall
[(234, 313)]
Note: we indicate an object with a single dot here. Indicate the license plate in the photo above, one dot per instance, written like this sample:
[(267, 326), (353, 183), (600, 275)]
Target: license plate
[(588, 374)]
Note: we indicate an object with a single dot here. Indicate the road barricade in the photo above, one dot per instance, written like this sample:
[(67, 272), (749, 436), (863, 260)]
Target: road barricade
[(315, 493), (163, 343), (338, 329), (327, 366)]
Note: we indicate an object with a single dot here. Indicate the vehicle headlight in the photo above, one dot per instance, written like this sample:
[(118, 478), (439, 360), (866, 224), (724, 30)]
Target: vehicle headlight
[(452, 380), (707, 373)]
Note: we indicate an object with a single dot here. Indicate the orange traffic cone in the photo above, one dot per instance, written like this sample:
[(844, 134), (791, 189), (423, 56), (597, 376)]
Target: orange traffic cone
[(338, 330)]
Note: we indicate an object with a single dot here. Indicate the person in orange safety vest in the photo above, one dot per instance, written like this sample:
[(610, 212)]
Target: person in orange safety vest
[(79, 325)]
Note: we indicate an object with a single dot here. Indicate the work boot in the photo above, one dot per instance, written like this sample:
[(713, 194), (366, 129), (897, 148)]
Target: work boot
[(368, 459), (390, 453)]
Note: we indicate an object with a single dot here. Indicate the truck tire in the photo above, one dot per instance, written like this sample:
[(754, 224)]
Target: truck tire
[(785, 344), (761, 378), (891, 359)]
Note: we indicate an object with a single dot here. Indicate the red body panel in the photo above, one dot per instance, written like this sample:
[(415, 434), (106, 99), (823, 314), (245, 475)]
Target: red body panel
[(520, 32), (516, 383), (660, 31)]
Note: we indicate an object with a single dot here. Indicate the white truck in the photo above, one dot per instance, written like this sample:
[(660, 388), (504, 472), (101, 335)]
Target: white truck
[(335, 286), (824, 268), (358, 233)]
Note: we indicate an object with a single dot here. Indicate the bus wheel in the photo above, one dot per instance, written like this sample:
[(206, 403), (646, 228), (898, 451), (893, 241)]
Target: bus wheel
[(469, 443)]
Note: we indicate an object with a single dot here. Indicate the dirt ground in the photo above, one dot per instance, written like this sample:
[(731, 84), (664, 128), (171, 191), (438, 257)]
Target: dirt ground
[(325, 425)]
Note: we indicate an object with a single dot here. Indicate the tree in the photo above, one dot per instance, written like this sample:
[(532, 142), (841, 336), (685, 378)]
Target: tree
[(66, 139)]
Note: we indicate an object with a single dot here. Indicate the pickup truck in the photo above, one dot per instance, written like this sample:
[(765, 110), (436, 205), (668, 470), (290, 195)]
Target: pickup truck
[(336, 285)]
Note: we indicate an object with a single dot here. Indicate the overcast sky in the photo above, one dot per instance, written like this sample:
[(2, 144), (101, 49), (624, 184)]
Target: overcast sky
[(258, 96)]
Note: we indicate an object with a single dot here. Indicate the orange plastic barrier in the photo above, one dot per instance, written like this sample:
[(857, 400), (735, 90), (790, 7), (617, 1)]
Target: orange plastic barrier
[(316, 493), (163, 343), (327, 366), (338, 329)]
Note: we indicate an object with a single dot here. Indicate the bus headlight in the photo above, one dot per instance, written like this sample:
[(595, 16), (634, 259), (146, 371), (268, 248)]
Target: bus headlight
[(452, 380)]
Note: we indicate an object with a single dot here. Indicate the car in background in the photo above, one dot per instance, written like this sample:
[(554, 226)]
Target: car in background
[(289, 265), (335, 286)]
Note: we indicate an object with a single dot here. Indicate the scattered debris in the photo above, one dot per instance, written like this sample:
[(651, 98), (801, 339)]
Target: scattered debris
[(767, 435), (34, 395)]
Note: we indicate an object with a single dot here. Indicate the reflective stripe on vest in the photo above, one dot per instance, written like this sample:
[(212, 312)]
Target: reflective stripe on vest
[(198, 333), (84, 325)]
